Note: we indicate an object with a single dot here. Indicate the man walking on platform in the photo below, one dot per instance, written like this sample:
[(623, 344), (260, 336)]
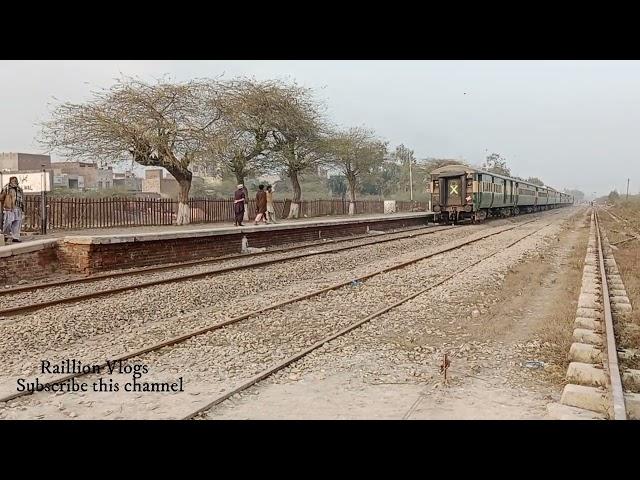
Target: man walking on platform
[(271, 211), (261, 205), (239, 199), (12, 207)]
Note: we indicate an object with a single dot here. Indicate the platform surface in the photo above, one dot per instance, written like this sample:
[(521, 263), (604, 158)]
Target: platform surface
[(26, 246), (165, 232)]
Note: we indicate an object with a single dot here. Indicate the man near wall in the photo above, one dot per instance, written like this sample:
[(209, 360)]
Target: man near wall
[(239, 200), (261, 205), (12, 202)]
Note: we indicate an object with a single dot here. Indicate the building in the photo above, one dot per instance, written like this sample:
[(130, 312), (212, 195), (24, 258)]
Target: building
[(16, 162), (155, 182), (104, 178), (64, 180), (31, 181), (205, 171), (94, 177), (127, 181)]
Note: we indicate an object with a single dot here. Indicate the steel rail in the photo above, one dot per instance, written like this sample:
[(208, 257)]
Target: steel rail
[(270, 371), (617, 392), (182, 338), (8, 312)]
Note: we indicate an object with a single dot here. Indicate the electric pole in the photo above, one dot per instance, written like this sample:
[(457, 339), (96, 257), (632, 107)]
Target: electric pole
[(410, 180), (628, 188)]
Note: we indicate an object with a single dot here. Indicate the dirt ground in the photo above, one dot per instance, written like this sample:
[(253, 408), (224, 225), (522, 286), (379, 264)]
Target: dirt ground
[(524, 317)]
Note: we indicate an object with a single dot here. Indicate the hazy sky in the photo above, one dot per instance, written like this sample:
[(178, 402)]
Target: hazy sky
[(575, 124)]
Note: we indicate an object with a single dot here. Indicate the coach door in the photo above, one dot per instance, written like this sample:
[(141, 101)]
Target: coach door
[(454, 190)]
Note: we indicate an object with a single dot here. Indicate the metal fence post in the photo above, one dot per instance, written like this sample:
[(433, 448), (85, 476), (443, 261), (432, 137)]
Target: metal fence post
[(43, 212), (43, 202)]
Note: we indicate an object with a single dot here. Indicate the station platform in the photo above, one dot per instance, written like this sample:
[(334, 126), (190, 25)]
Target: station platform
[(94, 252)]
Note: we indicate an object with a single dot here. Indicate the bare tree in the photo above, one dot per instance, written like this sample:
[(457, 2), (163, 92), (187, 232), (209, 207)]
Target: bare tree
[(405, 157), (247, 109), (577, 194), (535, 181), (430, 164), (164, 124), (297, 126), (495, 163), (355, 152)]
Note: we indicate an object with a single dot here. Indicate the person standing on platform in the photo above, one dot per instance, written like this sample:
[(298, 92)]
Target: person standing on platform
[(261, 205), (271, 211), (239, 199), (12, 206)]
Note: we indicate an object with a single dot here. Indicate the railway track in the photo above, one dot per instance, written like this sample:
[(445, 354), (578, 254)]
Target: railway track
[(285, 363), (204, 261), (30, 307), (49, 288), (599, 385), (289, 360)]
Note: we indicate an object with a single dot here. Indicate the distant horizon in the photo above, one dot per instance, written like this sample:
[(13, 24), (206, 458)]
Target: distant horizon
[(570, 123), (137, 169)]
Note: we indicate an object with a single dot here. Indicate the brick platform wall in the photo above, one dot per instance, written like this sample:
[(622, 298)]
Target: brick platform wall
[(73, 257), (28, 266), (98, 257)]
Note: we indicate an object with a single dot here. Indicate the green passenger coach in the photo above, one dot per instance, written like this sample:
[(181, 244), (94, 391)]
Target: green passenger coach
[(459, 192)]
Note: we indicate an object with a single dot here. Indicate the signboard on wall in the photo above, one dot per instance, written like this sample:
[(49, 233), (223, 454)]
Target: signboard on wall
[(30, 181)]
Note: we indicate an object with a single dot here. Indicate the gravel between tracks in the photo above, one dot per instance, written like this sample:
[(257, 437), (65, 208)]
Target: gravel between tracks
[(388, 367), (131, 319), (10, 300), (213, 362)]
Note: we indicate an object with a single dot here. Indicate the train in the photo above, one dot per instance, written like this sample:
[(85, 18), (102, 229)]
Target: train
[(460, 192)]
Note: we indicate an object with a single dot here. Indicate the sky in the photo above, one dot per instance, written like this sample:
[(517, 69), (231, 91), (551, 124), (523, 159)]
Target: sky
[(574, 124)]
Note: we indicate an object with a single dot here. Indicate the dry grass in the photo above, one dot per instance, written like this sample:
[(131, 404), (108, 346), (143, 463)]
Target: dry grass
[(557, 329), (628, 260), (630, 210), (627, 254)]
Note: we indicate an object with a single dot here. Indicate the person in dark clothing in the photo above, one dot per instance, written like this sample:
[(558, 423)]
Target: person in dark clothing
[(239, 199), (261, 205), (12, 200)]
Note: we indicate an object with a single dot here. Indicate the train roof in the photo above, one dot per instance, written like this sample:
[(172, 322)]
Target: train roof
[(460, 169)]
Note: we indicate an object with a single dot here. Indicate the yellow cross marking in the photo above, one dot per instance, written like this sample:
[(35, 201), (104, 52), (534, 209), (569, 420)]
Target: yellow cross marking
[(453, 189)]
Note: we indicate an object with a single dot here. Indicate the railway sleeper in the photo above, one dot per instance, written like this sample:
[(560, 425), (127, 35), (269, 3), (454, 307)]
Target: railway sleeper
[(587, 374), (585, 353), (618, 292), (629, 354), (583, 335), (594, 399), (588, 324), (589, 313), (632, 404), (619, 299), (588, 300), (558, 411), (631, 379), (593, 289), (621, 307), (590, 269)]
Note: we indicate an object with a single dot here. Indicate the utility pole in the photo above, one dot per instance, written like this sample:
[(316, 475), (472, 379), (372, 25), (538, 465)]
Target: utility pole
[(410, 180), (628, 188), (43, 201)]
